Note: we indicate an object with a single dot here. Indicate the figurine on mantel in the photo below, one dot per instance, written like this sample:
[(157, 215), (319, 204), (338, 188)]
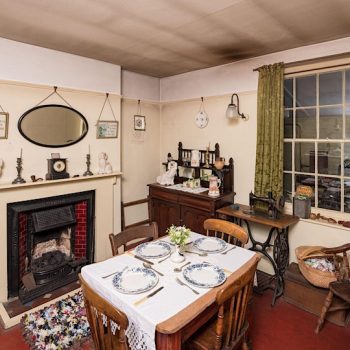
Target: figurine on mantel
[(167, 178), (104, 167)]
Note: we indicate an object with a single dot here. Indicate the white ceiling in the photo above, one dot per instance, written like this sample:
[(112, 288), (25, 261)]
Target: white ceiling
[(167, 37)]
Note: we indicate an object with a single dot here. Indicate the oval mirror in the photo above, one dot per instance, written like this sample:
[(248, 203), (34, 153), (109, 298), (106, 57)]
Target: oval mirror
[(53, 125)]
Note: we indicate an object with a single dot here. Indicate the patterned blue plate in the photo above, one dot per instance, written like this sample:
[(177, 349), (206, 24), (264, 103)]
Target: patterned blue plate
[(153, 250), (210, 244), (204, 275), (135, 280)]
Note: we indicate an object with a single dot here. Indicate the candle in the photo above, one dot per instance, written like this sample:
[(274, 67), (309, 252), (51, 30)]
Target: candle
[(21, 154), (89, 149)]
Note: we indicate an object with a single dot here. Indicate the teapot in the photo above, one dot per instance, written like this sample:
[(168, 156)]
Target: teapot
[(214, 186)]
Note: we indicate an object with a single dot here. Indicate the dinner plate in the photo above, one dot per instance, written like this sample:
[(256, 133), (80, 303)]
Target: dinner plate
[(204, 275), (135, 280), (153, 250), (210, 244)]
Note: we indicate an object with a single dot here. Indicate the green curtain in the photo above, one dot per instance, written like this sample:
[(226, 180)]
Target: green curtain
[(269, 146)]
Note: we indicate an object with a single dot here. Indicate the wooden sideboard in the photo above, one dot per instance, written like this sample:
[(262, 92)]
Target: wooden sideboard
[(174, 207)]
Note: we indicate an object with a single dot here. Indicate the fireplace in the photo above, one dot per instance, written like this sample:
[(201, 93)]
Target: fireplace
[(49, 240)]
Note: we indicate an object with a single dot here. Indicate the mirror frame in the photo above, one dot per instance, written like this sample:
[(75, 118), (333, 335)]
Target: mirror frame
[(51, 105)]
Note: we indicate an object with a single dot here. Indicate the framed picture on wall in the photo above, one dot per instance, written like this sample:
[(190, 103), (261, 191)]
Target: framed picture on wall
[(107, 129), (4, 124), (139, 122)]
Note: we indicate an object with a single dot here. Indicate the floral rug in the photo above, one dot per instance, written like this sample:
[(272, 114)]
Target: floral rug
[(62, 325)]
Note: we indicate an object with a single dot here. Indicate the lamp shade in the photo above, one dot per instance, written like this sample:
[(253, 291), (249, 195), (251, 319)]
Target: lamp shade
[(232, 112)]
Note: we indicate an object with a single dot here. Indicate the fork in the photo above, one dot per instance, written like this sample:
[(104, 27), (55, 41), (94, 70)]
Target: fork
[(186, 285)]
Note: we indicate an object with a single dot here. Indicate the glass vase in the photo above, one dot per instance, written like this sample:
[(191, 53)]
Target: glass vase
[(176, 257)]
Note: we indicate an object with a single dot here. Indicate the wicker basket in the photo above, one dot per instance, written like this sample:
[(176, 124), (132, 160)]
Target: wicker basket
[(316, 277)]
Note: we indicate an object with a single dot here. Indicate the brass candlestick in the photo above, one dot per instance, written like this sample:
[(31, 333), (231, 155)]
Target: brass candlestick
[(19, 179), (88, 162), (206, 165)]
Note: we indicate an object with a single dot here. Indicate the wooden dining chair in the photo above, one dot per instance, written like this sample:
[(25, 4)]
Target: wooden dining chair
[(226, 230), (340, 287), (228, 330), (100, 313), (126, 238)]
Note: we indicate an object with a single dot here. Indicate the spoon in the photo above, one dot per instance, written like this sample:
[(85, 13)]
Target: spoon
[(179, 269), (148, 266), (200, 254)]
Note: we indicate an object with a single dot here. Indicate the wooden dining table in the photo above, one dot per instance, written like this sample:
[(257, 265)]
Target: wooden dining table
[(176, 327)]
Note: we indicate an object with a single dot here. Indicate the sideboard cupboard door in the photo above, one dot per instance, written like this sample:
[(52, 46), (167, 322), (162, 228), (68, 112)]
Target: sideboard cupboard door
[(165, 214), (194, 218)]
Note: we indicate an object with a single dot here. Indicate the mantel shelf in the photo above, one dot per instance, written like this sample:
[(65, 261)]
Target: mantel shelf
[(9, 186)]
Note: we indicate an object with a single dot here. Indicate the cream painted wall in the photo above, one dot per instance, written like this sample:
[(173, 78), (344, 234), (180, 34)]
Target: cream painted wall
[(140, 87), (37, 65), (17, 98), (140, 156)]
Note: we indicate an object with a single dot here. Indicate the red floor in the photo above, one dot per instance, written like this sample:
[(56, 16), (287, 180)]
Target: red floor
[(282, 327)]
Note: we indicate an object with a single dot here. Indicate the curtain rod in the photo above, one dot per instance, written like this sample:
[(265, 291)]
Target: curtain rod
[(314, 60)]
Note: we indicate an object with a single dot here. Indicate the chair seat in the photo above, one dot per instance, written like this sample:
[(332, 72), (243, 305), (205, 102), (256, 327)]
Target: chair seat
[(204, 338), (341, 290)]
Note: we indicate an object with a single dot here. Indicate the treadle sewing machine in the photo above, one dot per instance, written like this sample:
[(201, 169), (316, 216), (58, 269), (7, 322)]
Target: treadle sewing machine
[(274, 206)]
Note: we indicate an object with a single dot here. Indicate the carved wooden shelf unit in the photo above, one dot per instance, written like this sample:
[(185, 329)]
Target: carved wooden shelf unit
[(174, 207)]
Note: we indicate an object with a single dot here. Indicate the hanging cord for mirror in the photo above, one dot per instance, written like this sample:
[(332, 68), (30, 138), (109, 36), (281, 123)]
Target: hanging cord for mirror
[(53, 93), (110, 106), (2, 109)]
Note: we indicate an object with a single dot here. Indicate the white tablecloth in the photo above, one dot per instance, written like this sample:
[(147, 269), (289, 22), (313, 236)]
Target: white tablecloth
[(144, 318)]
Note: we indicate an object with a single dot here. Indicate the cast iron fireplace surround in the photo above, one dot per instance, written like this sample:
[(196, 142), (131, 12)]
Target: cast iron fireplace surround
[(36, 215)]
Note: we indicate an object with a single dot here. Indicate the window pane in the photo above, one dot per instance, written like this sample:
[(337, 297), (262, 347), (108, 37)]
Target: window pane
[(331, 123), (347, 86), (330, 88), (305, 126), (329, 193), (329, 158), (287, 158), (287, 187), (347, 159), (288, 124), (306, 91), (288, 93), (347, 196), (347, 122), (304, 156), (306, 180)]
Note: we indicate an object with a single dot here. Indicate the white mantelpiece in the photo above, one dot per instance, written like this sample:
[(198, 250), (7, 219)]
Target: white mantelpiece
[(107, 210)]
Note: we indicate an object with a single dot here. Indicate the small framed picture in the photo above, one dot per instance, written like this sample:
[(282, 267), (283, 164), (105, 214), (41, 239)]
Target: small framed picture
[(107, 129), (139, 122), (4, 125)]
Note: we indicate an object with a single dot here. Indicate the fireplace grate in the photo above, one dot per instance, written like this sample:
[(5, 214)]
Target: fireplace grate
[(53, 218)]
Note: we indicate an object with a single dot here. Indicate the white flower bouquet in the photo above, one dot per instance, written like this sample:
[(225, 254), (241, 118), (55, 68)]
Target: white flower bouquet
[(178, 234)]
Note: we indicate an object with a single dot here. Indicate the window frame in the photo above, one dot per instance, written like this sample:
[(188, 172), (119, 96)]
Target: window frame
[(316, 141)]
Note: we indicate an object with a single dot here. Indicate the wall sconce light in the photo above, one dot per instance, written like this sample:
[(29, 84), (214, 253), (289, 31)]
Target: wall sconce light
[(233, 112)]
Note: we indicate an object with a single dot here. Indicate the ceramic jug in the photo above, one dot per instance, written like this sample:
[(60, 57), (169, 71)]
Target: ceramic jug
[(214, 186)]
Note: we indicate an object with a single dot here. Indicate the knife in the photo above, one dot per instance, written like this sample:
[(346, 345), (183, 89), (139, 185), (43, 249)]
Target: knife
[(148, 296), (142, 259)]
